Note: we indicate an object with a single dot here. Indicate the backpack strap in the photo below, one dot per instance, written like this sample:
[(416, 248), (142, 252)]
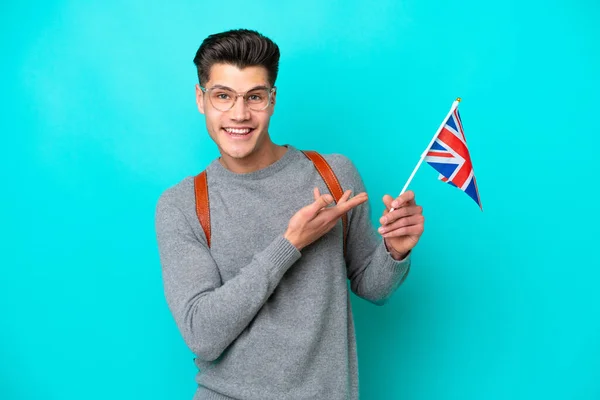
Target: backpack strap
[(202, 203), (324, 169), (332, 182)]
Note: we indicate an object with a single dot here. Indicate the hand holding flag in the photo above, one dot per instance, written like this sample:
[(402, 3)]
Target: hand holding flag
[(402, 227), (447, 152)]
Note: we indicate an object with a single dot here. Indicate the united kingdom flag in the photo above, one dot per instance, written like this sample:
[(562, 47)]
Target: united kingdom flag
[(450, 157)]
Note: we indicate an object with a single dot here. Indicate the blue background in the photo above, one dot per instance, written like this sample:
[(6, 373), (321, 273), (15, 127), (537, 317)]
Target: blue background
[(98, 118)]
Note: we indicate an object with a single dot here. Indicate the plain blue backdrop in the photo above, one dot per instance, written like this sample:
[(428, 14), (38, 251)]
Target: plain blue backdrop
[(98, 118)]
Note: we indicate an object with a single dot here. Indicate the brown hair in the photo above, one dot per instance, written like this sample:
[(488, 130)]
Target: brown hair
[(239, 47)]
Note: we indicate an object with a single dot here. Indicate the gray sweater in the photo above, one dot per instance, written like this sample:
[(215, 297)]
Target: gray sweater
[(264, 320)]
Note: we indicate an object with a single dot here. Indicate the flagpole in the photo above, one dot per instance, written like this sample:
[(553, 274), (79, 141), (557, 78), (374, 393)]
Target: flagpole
[(454, 105)]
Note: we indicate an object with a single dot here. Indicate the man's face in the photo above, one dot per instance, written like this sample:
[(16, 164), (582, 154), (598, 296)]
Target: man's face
[(240, 133)]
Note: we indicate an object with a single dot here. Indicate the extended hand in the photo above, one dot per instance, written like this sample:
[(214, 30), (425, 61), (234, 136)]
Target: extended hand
[(402, 228), (316, 219)]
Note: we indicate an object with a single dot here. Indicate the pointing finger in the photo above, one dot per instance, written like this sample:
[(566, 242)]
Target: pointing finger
[(345, 196), (322, 201), (343, 208)]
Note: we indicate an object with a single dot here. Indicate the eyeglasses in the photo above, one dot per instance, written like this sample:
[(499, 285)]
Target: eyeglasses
[(223, 98)]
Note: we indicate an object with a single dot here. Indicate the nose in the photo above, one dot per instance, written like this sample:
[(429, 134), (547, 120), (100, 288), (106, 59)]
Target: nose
[(240, 111)]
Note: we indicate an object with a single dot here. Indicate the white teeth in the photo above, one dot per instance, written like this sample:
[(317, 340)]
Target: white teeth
[(238, 131)]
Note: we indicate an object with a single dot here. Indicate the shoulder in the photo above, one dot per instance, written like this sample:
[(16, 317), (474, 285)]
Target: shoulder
[(176, 210), (345, 171), (179, 196), (339, 161), (344, 168)]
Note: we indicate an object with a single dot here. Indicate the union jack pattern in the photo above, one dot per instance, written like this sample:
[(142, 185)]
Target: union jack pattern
[(450, 157)]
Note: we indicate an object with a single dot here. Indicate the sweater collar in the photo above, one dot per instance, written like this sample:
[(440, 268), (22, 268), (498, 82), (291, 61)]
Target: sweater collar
[(216, 169)]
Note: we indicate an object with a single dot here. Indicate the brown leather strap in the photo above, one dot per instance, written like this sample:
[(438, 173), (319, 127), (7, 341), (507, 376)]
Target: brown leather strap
[(202, 203), (332, 183)]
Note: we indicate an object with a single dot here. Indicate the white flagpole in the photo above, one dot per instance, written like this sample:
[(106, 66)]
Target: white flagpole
[(454, 105)]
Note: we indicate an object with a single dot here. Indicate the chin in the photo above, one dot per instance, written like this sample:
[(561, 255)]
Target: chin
[(238, 153)]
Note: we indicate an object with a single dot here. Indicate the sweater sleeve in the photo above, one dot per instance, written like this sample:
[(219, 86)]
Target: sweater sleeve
[(374, 275), (211, 314)]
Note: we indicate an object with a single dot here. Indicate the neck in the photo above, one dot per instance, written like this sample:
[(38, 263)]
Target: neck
[(260, 159)]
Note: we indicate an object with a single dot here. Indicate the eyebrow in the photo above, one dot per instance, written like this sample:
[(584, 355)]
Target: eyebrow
[(249, 90)]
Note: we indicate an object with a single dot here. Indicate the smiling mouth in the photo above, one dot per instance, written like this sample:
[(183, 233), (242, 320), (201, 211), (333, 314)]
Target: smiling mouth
[(238, 131)]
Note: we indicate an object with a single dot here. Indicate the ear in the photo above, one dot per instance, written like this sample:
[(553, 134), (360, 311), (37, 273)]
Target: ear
[(200, 99)]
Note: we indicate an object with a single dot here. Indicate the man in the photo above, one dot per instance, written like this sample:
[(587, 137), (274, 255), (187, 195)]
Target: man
[(263, 302)]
